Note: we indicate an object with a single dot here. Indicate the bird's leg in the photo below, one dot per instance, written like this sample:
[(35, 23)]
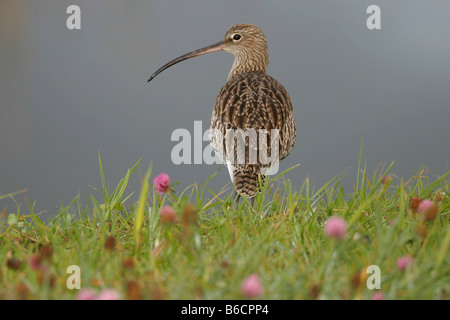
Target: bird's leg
[(236, 198)]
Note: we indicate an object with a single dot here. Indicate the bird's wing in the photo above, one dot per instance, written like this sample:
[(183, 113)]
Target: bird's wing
[(247, 105)]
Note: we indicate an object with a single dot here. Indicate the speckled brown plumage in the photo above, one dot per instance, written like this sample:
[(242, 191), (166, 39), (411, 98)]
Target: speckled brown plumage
[(250, 101)]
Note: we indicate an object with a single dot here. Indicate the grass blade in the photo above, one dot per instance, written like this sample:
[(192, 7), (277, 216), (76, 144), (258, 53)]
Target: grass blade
[(140, 210)]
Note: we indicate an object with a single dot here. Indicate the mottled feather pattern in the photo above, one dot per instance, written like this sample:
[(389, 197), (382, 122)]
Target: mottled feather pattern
[(252, 100), (248, 181)]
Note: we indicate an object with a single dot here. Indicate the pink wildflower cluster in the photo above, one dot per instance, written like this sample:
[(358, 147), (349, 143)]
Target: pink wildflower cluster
[(106, 294), (252, 287), (336, 227), (162, 183)]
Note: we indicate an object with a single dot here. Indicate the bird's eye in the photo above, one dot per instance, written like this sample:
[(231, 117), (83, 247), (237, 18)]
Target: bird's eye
[(237, 37)]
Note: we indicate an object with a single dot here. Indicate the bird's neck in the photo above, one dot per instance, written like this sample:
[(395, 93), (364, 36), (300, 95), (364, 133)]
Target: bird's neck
[(254, 62)]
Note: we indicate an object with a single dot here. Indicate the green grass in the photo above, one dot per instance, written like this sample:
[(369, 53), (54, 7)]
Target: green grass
[(123, 245)]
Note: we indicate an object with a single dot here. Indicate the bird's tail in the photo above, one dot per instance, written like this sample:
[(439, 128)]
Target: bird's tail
[(247, 182)]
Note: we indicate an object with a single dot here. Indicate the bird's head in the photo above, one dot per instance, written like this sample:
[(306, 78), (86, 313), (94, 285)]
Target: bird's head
[(247, 42)]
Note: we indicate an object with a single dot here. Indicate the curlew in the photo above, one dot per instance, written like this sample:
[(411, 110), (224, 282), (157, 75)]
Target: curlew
[(254, 107)]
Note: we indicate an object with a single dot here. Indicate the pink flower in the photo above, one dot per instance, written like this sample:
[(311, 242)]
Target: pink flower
[(108, 294), (425, 205), (36, 262), (252, 287), (168, 215), (404, 262), (386, 180), (86, 294), (428, 209), (378, 296), (336, 227), (162, 183)]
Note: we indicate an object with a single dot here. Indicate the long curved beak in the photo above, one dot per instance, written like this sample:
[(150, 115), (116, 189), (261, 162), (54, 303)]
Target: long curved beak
[(212, 48)]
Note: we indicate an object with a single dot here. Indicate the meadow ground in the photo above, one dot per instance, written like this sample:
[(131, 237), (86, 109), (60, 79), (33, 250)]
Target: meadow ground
[(391, 241)]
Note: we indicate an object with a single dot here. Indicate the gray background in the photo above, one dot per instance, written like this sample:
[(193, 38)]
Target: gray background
[(66, 94)]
